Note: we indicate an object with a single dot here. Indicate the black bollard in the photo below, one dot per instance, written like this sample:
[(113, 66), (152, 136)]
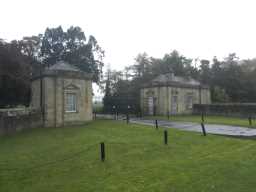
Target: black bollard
[(127, 118), (202, 117), (165, 137), (102, 151), (250, 120), (156, 123), (203, 129)]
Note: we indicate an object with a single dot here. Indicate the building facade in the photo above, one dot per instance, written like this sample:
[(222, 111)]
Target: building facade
[(64, 95), (169, 94)]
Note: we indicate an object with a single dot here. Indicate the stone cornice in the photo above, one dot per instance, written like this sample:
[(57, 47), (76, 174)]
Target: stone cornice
[(174, 84), (64, 74)]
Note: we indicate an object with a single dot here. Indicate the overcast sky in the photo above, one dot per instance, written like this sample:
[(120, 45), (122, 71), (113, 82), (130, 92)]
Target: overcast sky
[(124, 28)]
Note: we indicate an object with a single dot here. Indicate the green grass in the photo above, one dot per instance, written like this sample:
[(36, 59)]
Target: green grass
[(236, 121), (67, 160)]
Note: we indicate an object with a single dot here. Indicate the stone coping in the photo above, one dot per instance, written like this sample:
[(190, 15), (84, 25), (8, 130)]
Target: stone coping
[(174, 84), (66, 74)]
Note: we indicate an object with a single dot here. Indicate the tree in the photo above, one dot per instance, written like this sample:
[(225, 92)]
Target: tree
[(73, 47), (219, 95), (107, 100), (15, 74), (230, 80), (205, 72)]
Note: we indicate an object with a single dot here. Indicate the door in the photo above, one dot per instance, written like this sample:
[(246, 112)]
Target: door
[(150, 105), (174, 105)]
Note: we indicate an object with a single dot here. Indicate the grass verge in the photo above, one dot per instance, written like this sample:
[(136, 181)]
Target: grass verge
[(67, 159)]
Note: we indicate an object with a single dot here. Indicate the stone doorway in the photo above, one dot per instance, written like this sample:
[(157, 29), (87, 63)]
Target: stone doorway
[(151, 105), (174, 104)]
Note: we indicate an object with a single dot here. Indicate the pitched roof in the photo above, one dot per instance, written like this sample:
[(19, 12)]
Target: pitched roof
[(63, 66), (176, 81)]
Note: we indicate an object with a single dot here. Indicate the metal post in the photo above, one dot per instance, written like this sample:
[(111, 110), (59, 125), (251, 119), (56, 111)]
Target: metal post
[(203, 129), (165, 137), (156, 123), (250, 120), (202, 117), (114, 112), (102, 151), (127, 118), (200, 95), (168, 115)]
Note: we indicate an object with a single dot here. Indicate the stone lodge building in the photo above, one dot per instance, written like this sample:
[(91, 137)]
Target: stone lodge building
[(172, 94), (64, 95)]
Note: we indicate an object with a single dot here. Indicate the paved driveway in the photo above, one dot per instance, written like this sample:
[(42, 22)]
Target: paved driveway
[(210, 128)]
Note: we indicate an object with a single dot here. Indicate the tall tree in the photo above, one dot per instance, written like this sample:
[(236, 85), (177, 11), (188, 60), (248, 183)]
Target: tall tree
[(73, 47), (205, 72), (14, 75)]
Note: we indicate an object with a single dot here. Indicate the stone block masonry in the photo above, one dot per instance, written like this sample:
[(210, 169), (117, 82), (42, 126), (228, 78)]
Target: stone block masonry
[(12, 122)]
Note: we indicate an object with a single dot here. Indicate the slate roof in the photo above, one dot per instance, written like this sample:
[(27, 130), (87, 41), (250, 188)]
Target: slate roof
[(63, 66), (171, 80)]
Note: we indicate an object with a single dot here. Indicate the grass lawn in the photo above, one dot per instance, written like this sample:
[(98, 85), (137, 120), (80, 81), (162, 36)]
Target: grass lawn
[(67, 160), (209, 119)]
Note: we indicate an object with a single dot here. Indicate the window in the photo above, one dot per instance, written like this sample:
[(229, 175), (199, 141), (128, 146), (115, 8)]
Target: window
[(189, 102), (71, 102)]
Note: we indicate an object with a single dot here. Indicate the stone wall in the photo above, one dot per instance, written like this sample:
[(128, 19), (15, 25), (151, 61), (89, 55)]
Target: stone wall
[(12, 121)]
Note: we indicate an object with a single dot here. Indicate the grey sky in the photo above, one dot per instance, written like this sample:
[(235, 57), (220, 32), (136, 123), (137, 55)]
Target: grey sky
[(196, 28)]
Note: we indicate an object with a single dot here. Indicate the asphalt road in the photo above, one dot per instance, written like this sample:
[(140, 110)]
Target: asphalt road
[(210, 128)]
